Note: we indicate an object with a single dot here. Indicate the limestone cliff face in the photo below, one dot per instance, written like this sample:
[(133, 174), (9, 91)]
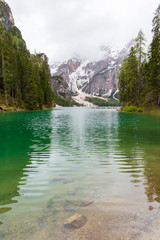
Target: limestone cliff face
[(61, 86), (6, 16), (104, 83), (66, 69)]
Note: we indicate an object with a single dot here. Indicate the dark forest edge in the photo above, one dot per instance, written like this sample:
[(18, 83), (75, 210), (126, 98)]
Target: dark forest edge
[(139, 75), (25, 80)]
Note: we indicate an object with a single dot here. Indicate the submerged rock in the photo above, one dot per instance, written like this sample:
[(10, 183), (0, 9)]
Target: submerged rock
[(1, 223), (75, 221), (85, 203), (79, 203)]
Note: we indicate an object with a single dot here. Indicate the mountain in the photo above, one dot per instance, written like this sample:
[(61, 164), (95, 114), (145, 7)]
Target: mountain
[(98, 78)]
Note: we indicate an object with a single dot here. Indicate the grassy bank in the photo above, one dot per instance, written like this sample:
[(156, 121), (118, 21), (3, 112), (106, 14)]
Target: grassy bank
[(141, 109), (4, 108)]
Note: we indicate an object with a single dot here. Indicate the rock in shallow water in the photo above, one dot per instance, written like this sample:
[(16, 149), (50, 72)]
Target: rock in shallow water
[(85, 203), (75, 221), (71, 204)]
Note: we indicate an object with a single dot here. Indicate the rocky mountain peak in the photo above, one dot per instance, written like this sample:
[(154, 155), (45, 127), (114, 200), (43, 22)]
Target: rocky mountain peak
[(6, 16)]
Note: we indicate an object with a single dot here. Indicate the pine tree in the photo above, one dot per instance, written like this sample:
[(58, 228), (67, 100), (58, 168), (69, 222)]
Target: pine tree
[(46, 84), (30, 89), (6, 54), (128, 79), (145, 84), (140, 44), (154, 60), (123, 82)]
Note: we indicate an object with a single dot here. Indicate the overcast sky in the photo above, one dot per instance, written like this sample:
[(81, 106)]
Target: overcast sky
[(69, 28)]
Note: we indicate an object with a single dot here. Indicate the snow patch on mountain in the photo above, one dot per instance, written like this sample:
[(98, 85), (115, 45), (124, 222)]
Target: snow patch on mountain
[(54, 67)]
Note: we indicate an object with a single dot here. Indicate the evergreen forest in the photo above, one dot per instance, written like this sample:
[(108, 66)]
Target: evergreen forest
[(25, 80), (139, 75)]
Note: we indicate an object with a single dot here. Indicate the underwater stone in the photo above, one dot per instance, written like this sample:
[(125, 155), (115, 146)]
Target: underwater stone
[(75, 221)]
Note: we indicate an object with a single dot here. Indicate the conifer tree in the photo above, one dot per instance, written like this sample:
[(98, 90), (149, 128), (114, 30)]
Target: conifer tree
[(140, 44), (154, 59), (128, 79)]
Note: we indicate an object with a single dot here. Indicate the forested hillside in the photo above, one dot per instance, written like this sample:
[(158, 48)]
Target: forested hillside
[(24, 77), (139, 75)]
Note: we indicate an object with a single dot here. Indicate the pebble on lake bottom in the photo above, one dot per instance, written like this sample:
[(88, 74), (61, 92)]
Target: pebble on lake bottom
[(75, 221)]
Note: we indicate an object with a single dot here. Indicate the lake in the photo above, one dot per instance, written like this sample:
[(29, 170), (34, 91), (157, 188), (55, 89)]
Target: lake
[(100, 163)]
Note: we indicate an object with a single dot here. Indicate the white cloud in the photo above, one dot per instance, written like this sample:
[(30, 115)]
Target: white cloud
[(63, 28)]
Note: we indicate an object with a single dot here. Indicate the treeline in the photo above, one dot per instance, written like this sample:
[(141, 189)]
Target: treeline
[(139, 75), (103, 103), (25, 80)]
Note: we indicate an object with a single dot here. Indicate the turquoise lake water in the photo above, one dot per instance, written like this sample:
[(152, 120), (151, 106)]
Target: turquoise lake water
[(51, 161)]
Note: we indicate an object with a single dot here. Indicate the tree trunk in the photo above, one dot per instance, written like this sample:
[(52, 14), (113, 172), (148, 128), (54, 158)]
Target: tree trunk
[(158, 101)]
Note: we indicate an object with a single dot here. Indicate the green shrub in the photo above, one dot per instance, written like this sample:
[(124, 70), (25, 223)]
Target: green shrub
[(130, 109)]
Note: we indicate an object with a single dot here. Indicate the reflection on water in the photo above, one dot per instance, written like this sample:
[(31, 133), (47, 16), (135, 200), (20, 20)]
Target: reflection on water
[(53, 163), (141, 148), (21, 135)]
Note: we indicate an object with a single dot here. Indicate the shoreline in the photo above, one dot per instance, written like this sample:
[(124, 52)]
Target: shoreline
[(13, 109), (134, 109), (140, 110)]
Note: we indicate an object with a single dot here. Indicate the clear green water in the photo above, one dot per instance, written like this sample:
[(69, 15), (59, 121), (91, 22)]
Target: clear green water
[(50, 161)]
